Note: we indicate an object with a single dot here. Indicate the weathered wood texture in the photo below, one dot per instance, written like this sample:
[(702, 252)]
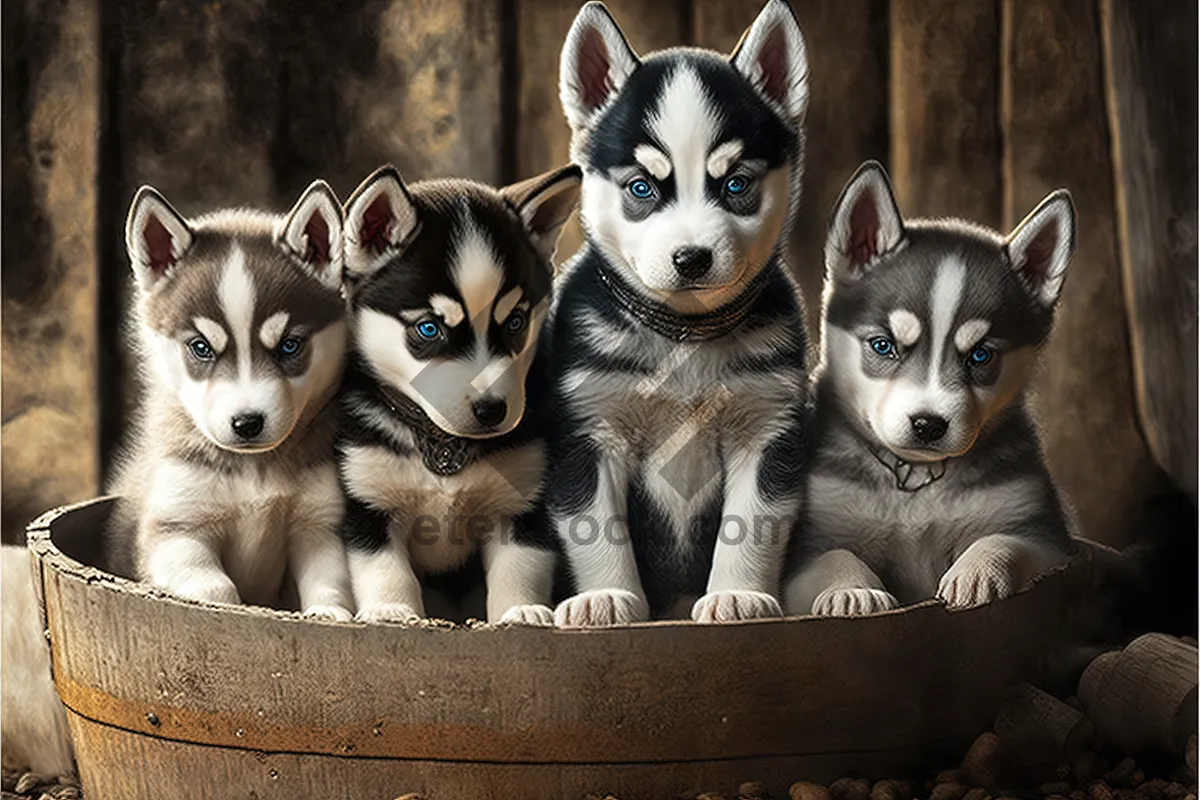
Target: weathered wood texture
[(48, 349), (1055, 135), (1150, 51), (649, 704), (542, 136), (945, 101), (847, 120)]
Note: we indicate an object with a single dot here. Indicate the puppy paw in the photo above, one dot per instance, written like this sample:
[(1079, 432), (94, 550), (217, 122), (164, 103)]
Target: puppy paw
[(535, 615), (853, 602), (387, 612), (732, 606), (602, 607), (209, 589), (975, 582), (327, 612)]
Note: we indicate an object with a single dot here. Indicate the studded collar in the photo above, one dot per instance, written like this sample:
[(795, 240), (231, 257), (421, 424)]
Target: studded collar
[(443, 453)]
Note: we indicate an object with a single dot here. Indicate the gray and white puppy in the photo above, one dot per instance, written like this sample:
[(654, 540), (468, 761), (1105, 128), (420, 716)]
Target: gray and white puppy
[(229, 482), (927, 475), (674, 366)]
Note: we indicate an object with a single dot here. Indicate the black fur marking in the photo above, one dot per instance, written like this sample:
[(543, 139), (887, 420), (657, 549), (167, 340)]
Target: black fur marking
[(364, 528), (781, 468)]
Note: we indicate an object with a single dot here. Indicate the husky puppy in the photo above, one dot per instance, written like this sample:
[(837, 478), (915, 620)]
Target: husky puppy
[(230, 481), (450, 282), (927, 475), (676, 351)]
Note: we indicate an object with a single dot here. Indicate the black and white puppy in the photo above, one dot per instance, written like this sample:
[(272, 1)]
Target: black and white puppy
[(450, 283), (927, 475), (676, 348)]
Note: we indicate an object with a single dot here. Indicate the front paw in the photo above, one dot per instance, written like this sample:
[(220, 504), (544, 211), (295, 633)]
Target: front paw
[(328, 612), (599, 608), (853, 602), (732, 606), (209, 589), (387, 612), (535, 615), (976, 581)]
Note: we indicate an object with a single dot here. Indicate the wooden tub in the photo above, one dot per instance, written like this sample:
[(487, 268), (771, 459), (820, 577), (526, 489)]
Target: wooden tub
[(169, 698)]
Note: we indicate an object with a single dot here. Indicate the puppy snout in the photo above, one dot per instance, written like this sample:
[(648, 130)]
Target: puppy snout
[(248, 426), (928, 428), (692, 263), (490, 411)]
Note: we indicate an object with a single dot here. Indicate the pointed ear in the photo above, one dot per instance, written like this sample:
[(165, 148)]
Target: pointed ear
[(1040, 247), (772, 56), (866, 223), (380, 219), (156, 237), (596, 61), (545, 202), (312, 233)]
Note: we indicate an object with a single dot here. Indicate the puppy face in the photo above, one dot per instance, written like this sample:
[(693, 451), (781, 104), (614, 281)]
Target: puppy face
[(932, 328), (451, 287), (691, 160), (242, 313)]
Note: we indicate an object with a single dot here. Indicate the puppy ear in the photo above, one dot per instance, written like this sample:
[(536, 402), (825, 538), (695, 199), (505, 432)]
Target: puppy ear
[(312, 233), (380, 219), (1040, 247), (772, 56), (596, 61), (156, 237), (866, 223), (545, 202)]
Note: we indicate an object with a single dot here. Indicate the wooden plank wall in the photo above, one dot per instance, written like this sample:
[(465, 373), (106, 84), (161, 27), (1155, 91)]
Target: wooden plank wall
[(977, 109)]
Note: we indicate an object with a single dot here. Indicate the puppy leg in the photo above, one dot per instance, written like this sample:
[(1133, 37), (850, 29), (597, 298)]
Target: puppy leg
[(519, 580), (744, 581), (598, 548), (316, 554), (837, 583), (384, 583), (186, 564), (993, 568)]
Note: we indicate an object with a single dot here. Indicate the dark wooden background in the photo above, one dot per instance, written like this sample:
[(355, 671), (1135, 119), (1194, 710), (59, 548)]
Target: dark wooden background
[(978, 107)]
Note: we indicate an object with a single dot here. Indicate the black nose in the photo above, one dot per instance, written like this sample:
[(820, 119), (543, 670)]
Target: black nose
[(928, 428), (692, 262), (247, 426), (489, 411)]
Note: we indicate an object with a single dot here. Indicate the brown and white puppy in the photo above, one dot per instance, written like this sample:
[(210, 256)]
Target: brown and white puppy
[(229, 483)]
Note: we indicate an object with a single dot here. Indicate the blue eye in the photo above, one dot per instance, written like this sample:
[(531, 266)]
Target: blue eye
[(980, 356), (428, 329), (515, 322), (201, 349), (883, 346), (641, 189), (737, 185), (291, 345)]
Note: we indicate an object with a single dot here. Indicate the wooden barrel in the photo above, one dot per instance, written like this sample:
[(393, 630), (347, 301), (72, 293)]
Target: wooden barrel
[(169, 698)]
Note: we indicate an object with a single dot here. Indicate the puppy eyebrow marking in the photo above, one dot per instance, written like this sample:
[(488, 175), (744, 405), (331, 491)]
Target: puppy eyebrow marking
[(213, 332), (906, 327), (505, 305), (970, 333), (654, 160), (724, 156), (272, 329), (447, 308)]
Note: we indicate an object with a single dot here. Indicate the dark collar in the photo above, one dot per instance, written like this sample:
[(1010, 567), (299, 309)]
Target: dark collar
[(910, 476), (443, 453), (662, 319)]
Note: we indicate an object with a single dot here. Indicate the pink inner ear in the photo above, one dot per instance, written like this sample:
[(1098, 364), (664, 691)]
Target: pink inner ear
[(1039, 253), (594, 67), (317, 233), (376, 221), (157, 240), (864, 229), (772, 59)]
